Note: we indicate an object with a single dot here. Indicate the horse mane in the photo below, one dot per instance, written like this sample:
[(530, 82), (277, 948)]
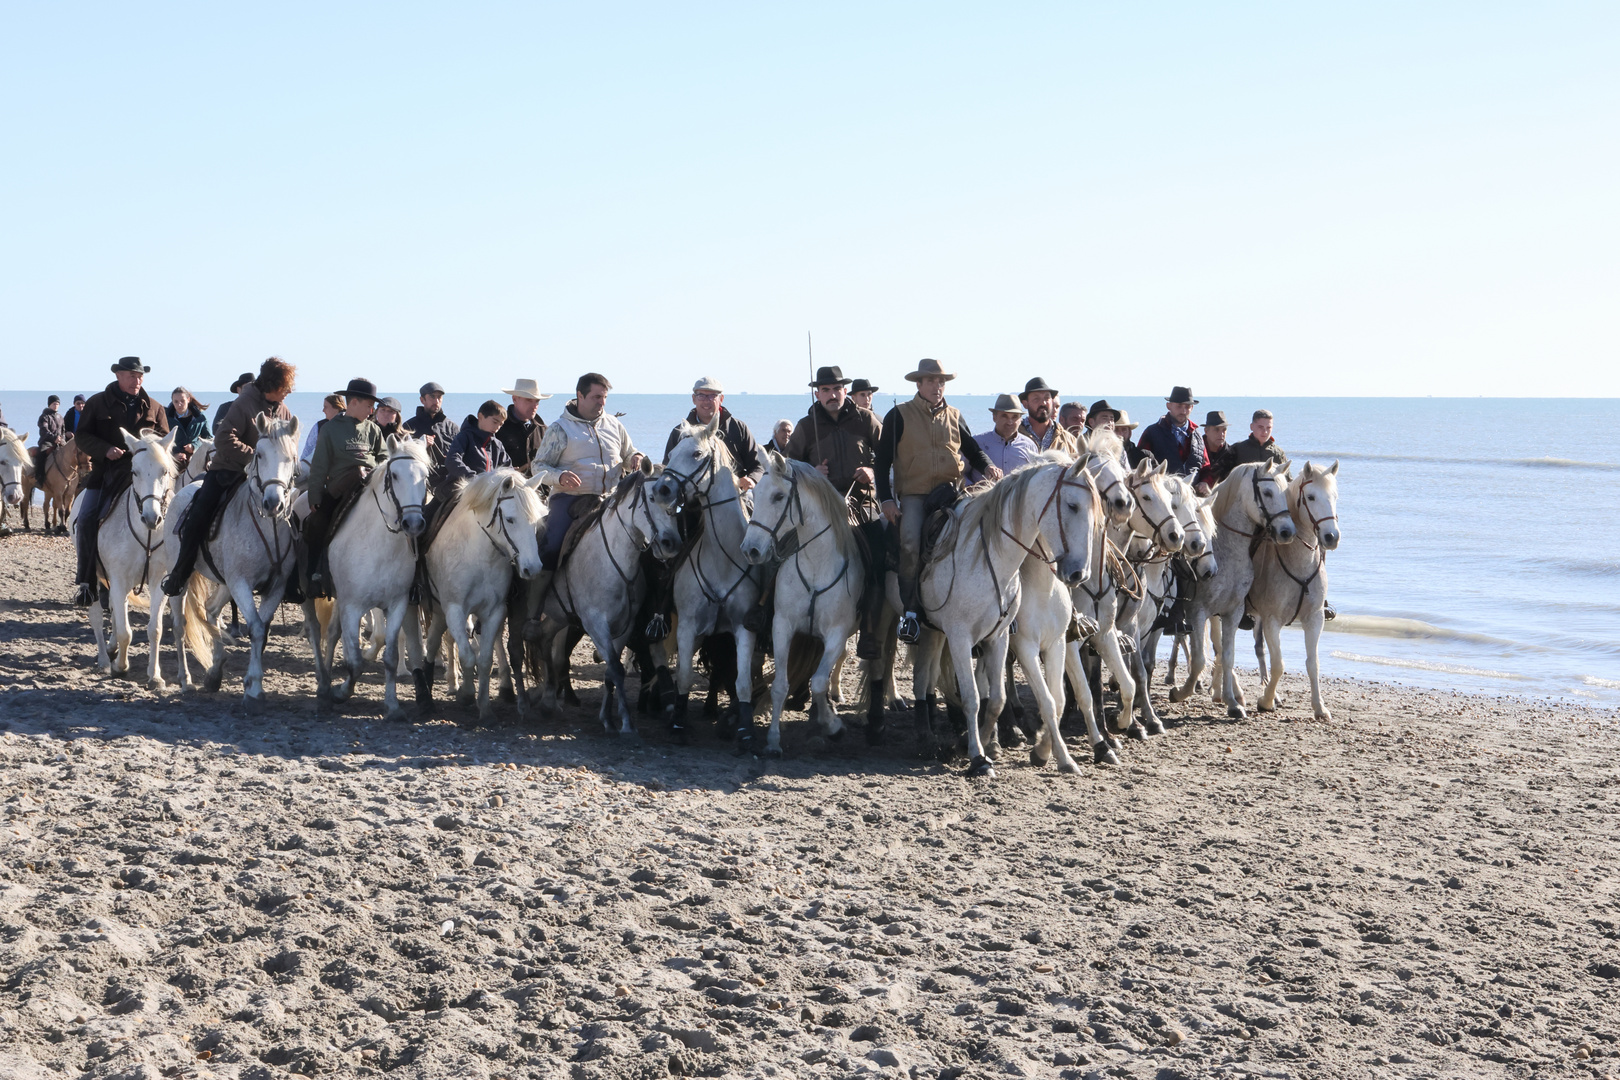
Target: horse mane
[(714, 444), (1105, 443), (1230, 490), (160, 453), (831, 504), (13, 439), (1010, 489), (480, 493)]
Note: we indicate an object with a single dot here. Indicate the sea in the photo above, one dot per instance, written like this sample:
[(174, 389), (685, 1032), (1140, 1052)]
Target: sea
[(1481, 536)]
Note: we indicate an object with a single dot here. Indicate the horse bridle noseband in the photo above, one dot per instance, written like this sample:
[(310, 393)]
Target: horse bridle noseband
[(1158, 526), (393, 497)]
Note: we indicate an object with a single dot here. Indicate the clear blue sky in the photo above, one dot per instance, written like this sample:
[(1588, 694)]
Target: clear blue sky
[(1265, 198)]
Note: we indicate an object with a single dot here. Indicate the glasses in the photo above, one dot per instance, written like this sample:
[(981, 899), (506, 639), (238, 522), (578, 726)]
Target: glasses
[(706, 395)]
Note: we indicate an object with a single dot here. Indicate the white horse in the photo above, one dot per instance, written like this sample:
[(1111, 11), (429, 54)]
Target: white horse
[(1250, 506), (252, 550), (1153, 563), (600, 587), (14, 465), (970, 589), (801, 519), (1198, 521), (130, 551), (1290, 580), (715, 585), (372, 563), (492, 530)]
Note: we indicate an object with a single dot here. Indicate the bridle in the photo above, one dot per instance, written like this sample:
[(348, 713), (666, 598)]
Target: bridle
[(400, 508), (795, 504), (138, 504), (1097, 474), (693, 554), (1063, 481), (495, 516), (1157, 535), (1316, 522), (1318, 555)]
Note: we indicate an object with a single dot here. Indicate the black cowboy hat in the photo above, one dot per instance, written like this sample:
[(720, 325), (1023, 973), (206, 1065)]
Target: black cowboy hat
[(241, 381), (860, 385), (1216, 418), (1037, 383), (1180, 395), (1100, 407), (363, 388), (130, 363), (829, 376)]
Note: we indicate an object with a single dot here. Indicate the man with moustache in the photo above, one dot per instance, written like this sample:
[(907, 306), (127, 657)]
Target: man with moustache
[(1041, 424)]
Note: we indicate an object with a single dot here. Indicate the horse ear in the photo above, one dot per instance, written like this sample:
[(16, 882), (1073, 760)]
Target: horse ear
[(258, 422), (293, 430), (168, 440), (714, 424), (508, 483), (647, 466), (1333, 470), (130, 441), (1164, 467), (534, 481)]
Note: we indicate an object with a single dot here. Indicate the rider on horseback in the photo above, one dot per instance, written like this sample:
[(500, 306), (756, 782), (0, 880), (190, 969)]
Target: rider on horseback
[(50, 434), (234, 439), (122, 406), (351, 445)]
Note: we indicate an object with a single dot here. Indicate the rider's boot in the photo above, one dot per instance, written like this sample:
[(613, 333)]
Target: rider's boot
[(538, 586)]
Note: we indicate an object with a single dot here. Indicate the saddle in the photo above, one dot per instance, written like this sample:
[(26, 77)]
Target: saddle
[(111, 489), (441, 513), (344, 509), (219, 512), (936, 515)]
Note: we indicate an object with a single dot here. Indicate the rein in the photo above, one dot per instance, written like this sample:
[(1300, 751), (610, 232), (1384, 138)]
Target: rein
[(694, 557), (1318, 556), (795, 502)]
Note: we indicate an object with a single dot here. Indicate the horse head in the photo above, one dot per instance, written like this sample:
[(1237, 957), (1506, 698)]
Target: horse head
[(1153, 514), (275, 463), (13, 460), (516, 514), (663, 537), (772, 503), (1185, 502), (1314, 500), (1079, 516), (151, 473), (1270, 502), (698, 457), (406, 481), (1107, 473)]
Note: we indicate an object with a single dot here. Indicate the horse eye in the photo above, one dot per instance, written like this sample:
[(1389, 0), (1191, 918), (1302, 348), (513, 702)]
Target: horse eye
[(778, 497), (1074, 508)]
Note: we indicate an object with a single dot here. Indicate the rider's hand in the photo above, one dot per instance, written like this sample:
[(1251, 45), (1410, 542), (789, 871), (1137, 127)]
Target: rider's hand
[(865, 476), (822, 468), (568, 481), (428, 439), (115, 452), (634, 463), (1200, 489), (891, 512), (992, 473), (745, 483)]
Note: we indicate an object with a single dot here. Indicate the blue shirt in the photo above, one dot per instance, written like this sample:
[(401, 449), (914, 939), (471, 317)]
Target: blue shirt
[(1004, 454)]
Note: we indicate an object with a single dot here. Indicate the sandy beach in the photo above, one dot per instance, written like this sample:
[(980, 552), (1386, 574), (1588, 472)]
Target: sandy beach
[(1423, 887)]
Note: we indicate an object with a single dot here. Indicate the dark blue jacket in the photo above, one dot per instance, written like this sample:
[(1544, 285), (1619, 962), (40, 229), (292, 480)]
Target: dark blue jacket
[(188, 428), (1159, 439), (472, 453)]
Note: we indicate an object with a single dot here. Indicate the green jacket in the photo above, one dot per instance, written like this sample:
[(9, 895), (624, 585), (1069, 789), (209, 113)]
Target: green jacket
[(345, 447)]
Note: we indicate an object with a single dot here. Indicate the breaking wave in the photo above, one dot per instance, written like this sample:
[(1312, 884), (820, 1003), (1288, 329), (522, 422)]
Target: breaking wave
[(1429, 665), (1383, 626), (1523, 463)]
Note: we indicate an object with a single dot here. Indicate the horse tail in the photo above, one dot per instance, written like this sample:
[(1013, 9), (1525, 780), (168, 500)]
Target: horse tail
[(200, 629), (141, 601)]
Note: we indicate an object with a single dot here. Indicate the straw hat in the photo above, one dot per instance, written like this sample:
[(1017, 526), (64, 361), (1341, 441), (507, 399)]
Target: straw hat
[(526, 388)]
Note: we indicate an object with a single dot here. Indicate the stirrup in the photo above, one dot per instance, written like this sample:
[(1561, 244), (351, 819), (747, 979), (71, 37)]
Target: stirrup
[(170, 586), (84, 597), (910, 628), (1327, 611), (1247, 622), (657, 628)]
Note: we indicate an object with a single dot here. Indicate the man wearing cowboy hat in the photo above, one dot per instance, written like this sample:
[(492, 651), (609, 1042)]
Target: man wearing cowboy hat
[(708, 398), (1216, 449), (122, 406), (861, 391), (350, 446), (1042, 425), (236, 437), (1124, 427), (236, 388), (1175, 438), (523, 431), (1006, 446), (924, 442)]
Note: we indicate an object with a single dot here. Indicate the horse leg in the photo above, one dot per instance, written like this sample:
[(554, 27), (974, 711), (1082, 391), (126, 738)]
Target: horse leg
[(742, 690), (1074, 668), (1195, 658), (466, 688), (393, 627), (154, 637), (994, 671), (98, 627), (782, 639), (1144, 702), (832, 654), (258, 628), (354, 658), (924, 670), (488, 637), (119, 598), (177, 616), (1229, 669), (967, 688), (1107, 645), (685, 653), (1053, 660), (1313, 634), (1272, 629)]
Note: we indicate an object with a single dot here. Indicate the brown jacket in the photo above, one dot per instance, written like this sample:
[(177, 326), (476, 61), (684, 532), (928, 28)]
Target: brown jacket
[(237, 434), (847, 443), (102, 426)]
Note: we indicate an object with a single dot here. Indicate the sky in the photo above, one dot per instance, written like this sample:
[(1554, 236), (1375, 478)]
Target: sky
[(1290, 199)]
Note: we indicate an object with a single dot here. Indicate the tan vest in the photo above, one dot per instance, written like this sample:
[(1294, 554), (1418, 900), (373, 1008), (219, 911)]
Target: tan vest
[(930, 448)]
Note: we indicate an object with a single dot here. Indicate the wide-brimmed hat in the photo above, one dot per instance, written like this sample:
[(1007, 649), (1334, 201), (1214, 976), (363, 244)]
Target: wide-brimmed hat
[(1122, 419), (928, 369), (525, 388), (830, 376), (862, 386), (391, 403), (130, 363), (1216, 418), (430, 388), (1180, 395), (1005, 403), (241, 381), (708, 385), (1037, 383), (362, 388), (1100, 407)]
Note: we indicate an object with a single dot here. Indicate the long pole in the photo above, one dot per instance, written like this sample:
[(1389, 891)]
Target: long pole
[(815, 421)]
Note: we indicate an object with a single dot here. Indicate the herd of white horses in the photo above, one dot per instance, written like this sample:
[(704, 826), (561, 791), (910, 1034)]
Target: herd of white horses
[(1063, 565)]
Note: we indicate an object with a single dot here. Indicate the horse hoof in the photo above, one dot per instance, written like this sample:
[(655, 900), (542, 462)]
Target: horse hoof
[(1137, 732), (1237, 712), (253, 706), (1154, 726), (1038, 758), (398, 716), (680, 734), (211, 684), (466, 700), (1176, 696), (156, 684), (774, 753), (1324, 715), (874, 734), (980, 767), (1068, 767), (836, 736), (1102, 754)]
